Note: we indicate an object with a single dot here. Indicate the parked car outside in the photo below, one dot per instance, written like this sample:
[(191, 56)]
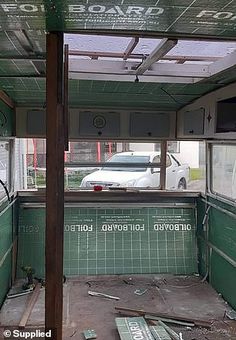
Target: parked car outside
[(177, 175)]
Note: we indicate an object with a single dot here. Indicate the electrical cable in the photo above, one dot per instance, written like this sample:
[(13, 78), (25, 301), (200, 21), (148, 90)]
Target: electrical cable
[(5, 119), (6, 190), (172, 97)]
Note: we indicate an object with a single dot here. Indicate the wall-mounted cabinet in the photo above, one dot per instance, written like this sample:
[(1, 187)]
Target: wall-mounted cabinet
[(193, 123), (30, 122), (36, 122), (146, 125), (99, 124), (124, 124), (102, 124), (226, 116), (212, 116)]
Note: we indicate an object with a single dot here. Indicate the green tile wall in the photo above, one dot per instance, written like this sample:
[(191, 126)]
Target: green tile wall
[(222, 234), (223, 278), (5, 277), (117, 248), (6, 231), (202, 248)]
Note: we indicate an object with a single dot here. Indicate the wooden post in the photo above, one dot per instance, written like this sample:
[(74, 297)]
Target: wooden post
[(163, 165), (65, 103), (55, 185)]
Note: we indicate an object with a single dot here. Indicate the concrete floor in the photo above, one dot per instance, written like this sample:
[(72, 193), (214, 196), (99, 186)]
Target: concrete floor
[(183, 295)]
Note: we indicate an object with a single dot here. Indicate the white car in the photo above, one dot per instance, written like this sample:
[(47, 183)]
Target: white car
[(177, 175)]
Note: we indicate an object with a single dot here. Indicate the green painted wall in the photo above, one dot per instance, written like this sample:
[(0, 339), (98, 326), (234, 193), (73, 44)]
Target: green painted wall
[(114, 240), (7, 230), (5, 278), (222, 234), (223, 278), (201, 236), (6, 120)]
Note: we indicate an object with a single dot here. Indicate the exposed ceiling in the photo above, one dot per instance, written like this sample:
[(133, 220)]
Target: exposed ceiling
[(22, 52)]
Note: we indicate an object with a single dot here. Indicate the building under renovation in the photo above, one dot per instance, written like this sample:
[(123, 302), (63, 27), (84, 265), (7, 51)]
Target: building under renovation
[(118, 169)]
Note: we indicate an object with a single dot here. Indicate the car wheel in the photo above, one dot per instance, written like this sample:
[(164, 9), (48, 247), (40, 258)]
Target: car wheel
[(182, 184)]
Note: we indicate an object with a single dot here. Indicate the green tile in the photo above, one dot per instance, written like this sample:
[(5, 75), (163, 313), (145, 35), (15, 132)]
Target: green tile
[(6, 238), (5, 275), (113, 252)]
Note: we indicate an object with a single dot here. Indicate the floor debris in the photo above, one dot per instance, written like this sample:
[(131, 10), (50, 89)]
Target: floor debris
[(129, 281), (89, 334), (103, 295), (82, 311), (197, 322), (133, 328), (159, 333), (136, 328), (231, 314), (140, 291), (170, 331), (75, 331), (30, 306), (20, 293), (177, 322)]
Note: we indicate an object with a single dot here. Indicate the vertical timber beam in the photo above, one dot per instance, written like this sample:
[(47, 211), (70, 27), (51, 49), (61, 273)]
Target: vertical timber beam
[(55, 185), (163, 165)]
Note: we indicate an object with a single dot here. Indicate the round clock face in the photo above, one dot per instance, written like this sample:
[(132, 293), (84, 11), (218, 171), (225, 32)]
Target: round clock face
[(99, 122)]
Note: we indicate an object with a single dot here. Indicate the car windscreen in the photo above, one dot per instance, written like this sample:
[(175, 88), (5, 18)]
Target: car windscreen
[(127, 159)]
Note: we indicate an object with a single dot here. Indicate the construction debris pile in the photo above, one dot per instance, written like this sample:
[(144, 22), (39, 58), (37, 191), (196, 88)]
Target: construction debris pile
[(141, 307), (152, 326), (167, 324)]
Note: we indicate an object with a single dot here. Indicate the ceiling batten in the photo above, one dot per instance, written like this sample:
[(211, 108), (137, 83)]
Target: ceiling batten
[(162, 49)]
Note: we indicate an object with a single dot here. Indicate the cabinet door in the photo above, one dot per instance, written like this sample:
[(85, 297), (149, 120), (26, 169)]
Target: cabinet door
[(99, 124), (194, 122), (36, 123), (149, 124)]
